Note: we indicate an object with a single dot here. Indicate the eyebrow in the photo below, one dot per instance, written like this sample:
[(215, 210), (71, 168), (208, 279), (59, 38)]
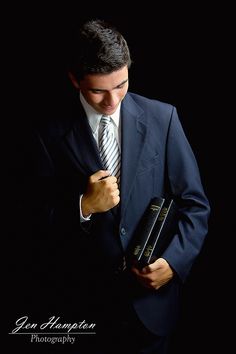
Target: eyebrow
[(99, 89)]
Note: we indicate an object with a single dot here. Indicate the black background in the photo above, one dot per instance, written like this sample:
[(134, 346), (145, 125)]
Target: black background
[(182, 56)]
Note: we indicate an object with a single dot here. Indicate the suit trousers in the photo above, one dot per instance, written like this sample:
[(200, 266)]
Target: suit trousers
[(124, 333), (119, 329)]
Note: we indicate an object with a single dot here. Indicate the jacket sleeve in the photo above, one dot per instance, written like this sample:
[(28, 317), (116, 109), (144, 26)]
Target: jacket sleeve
[(186, 186), (52, 201)]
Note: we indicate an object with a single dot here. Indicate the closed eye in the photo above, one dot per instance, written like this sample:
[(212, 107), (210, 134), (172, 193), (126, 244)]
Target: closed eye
[(97, 91)]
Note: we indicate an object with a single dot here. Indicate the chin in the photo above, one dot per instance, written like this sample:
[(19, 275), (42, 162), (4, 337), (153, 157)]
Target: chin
[(109, 111)]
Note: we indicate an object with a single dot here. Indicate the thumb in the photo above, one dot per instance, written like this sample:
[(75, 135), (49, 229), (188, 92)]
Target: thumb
[(153, 266), (100, 175)]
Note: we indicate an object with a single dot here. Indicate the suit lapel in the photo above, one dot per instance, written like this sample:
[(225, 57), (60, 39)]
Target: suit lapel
[(81, 146), (133, 137)]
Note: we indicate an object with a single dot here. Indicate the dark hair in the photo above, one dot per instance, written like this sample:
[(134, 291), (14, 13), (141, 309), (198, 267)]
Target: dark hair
[(100, 48)]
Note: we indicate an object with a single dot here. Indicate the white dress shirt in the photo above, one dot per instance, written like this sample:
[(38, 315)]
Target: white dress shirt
[(94, 121), (95, 117)]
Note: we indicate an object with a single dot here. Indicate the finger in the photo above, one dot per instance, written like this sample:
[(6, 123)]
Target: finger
[(158, 264), (135, 270), (111, 179), (148, 269), (138, 272), (115, 188), (115, 193)]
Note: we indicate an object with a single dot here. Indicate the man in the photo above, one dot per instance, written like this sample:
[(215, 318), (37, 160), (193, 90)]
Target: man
[(88, 214)]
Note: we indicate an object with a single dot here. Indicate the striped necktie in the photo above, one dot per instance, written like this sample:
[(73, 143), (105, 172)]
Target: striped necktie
[(109, 148)]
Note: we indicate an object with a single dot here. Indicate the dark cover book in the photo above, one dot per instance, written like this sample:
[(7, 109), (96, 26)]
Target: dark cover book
[(162, 233), (145, 228)]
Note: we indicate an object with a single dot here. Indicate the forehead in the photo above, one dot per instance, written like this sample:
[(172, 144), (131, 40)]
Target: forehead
[(105, 81)]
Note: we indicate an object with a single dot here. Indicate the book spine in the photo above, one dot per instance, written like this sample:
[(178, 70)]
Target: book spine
[(145, 227), (161, 234)]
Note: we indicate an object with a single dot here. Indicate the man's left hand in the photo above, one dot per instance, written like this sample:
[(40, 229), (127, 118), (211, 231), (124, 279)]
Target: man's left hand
[(154, 275)]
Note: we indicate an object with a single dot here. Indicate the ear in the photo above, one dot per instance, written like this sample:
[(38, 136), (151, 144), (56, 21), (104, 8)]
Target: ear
[(73, 80)]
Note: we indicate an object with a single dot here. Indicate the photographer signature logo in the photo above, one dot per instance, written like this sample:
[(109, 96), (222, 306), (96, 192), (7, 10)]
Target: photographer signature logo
[(53, 330)]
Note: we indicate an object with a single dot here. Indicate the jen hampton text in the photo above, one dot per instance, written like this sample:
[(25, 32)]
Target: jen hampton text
[(53, 323)]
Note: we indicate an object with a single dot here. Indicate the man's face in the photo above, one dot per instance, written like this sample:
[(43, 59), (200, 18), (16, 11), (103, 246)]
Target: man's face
[(104, 92)]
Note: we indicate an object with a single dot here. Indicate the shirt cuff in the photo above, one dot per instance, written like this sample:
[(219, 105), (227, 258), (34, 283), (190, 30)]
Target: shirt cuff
[(82, 218)]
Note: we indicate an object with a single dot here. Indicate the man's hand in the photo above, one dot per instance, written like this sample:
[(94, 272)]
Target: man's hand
[(154, 275), (102, 193)]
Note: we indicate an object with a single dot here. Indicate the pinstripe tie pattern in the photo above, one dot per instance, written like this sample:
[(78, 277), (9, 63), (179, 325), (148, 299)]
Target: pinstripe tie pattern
[(109, 148)]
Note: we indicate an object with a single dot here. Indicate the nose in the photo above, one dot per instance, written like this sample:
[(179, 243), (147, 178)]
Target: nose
[(111, 99)]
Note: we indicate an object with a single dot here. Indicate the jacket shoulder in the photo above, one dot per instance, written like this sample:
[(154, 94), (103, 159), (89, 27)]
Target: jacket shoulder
[(151, 105)]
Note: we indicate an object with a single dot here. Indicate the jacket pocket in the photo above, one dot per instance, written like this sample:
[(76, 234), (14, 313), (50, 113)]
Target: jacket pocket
[(147, 165)]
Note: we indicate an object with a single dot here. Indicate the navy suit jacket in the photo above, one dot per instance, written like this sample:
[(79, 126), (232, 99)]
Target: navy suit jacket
[(157, 160)]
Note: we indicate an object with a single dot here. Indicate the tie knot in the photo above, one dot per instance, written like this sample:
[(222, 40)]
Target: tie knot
[(105, 120)]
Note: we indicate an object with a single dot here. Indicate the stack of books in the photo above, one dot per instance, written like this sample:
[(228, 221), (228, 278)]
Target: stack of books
[(154, 232)]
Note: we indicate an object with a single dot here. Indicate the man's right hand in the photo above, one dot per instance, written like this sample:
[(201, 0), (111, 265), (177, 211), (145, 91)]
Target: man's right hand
[(102, 193)]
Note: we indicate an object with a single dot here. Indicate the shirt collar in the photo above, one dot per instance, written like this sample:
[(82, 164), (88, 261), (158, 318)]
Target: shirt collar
[(94, 117)]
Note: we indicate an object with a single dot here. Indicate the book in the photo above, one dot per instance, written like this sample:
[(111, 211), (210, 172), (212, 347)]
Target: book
[(162, 233), (144, 229)]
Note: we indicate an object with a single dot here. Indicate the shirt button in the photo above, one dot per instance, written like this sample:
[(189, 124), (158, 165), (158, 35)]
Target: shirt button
[(122, 231)]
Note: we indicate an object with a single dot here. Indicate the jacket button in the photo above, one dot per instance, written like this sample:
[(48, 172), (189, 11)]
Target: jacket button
[(122, 231)]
